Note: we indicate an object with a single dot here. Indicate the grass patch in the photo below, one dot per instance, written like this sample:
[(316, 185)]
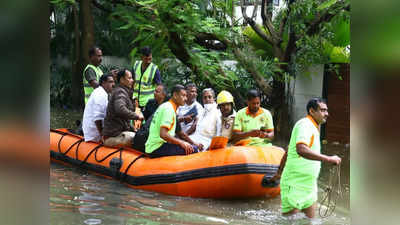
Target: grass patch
[(64, 118)]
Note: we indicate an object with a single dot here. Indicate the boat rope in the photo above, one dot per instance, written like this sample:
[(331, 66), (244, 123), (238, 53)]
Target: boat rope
[(70, 147), (94, 150), (332, 192), (90, 153)]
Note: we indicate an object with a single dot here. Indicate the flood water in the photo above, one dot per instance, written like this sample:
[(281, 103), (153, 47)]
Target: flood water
[(78, 197)]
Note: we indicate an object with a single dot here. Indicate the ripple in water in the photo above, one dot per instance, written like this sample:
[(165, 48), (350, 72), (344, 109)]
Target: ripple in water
[(92, 221)]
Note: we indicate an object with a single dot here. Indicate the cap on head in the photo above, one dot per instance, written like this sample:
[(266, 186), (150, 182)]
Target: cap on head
[(224, 97)]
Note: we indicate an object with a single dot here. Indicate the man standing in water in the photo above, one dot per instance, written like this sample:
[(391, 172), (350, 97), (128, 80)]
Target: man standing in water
[(299, 190)]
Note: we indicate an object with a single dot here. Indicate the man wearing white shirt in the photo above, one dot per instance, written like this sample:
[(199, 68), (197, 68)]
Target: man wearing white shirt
[(189, 113), (209, 124), (96, 108)]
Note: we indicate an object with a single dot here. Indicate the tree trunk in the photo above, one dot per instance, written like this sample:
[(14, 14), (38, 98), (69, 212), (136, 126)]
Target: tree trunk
[(87, 29), (86, 42), (76, 79), (281, 116)]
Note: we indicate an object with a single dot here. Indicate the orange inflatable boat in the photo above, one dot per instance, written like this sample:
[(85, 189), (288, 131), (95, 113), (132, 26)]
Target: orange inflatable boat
[(232, 172)]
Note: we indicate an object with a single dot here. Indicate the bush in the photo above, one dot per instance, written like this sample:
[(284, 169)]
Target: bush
[(60, 86)]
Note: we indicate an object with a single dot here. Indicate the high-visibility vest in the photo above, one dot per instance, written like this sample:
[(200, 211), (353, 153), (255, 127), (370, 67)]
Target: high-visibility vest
[(86, 86), (144, 86)]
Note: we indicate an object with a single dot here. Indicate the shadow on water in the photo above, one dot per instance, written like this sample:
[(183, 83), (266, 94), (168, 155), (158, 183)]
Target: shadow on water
[(77, 197)]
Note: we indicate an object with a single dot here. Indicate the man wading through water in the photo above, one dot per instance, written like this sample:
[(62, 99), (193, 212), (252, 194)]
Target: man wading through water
[(299, 188)]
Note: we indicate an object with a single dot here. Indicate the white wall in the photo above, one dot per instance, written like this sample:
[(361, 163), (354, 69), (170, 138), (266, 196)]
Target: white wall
[(249, 12), (308, 84), (107, 60), (115, 61)]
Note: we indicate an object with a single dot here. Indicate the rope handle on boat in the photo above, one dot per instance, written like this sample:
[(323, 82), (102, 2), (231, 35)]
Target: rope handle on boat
[(95, 150), (70, 147), (334, 186)]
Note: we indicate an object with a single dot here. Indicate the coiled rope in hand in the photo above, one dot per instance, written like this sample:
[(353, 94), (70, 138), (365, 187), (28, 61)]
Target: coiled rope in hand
[(332, 192)]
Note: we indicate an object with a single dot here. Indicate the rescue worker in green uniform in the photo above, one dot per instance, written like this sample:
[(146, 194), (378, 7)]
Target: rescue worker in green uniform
[(253, 124), (147, 77), (299, 186), (92, 72)]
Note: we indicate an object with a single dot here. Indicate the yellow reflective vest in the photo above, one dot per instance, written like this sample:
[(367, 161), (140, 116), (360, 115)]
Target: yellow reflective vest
[(144, 86), (86, 86)]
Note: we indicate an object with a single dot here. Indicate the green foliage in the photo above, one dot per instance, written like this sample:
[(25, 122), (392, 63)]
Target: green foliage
[(135, 23), (328, 44), (60, 86), (258, 42), (340, 27)]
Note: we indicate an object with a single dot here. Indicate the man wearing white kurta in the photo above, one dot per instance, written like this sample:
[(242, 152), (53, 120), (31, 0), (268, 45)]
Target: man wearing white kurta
[(96, 108), (209, 124)]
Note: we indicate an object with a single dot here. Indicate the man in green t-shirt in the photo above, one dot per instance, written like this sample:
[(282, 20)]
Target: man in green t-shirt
[(253, 124), (302, 163), (162, 140)]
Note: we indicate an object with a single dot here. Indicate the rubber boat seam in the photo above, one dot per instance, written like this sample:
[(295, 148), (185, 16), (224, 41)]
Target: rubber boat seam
[(227, 170)]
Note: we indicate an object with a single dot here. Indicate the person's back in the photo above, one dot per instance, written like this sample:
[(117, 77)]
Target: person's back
[(96, 108), (141, 136)]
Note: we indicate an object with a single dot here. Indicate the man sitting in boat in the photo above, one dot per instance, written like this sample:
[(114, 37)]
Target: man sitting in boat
[(225, 104), (162, 140), (253, 124), (142, 134), (137, 123), (160, 94), (96, 109), (189, 114), (209, 124), (118, 130)]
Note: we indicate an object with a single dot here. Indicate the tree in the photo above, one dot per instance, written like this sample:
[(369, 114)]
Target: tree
[(203, 34), (296, 38), (76, 26), (83, 35)]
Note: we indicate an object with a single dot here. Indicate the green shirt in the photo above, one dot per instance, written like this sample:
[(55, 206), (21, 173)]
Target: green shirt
[(245, 121), (298, 171), (164, 116)]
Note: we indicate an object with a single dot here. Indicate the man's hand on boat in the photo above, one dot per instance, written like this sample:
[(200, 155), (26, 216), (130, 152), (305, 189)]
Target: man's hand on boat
[(199, 146), (187, 147)]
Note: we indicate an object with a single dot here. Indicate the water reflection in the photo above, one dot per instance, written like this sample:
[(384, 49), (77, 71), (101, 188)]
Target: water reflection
[(77, 197)]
